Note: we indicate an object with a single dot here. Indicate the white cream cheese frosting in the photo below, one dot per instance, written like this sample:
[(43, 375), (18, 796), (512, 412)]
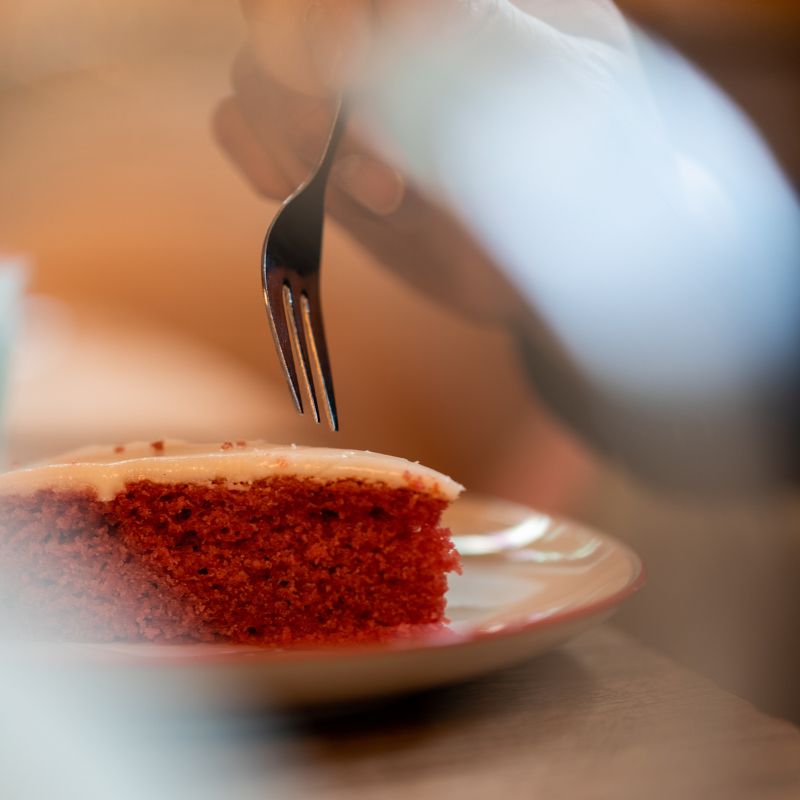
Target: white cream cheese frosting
[(107, 469)]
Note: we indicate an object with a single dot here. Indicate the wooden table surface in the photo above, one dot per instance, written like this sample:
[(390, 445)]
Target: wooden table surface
[(603, 717)]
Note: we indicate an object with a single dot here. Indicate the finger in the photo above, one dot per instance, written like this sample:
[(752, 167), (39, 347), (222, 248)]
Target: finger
[(430, 250), (372, 183), (294, 128), (288, 125), (237, 140), (374, 186), (309, 45), (291, 130)]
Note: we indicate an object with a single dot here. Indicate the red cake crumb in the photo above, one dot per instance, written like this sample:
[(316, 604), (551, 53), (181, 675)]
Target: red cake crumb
[(286, 561), (226, 446), (120, 448), (158, 446)]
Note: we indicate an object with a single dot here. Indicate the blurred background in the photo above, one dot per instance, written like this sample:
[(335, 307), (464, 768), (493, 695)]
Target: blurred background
[(144, 317)]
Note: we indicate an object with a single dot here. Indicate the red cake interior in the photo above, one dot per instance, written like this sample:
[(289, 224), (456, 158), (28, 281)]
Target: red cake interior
[(282, 561)]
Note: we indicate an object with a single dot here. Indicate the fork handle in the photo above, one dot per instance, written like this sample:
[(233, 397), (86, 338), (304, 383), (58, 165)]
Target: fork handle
[(320, 175)]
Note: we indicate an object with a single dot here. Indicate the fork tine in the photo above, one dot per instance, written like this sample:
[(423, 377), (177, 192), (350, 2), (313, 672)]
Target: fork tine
[(298, 331), (273, 294), (315, 330)]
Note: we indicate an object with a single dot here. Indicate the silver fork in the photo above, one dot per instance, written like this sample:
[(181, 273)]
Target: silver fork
[(290, 267)]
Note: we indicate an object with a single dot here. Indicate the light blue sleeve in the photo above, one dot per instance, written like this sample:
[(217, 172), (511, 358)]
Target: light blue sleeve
[(632, 205)]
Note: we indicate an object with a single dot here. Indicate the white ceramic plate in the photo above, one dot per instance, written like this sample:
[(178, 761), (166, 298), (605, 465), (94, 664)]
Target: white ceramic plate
[(529, 583)]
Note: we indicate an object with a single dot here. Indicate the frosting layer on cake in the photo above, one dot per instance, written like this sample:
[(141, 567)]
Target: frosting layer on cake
[(107, 469)]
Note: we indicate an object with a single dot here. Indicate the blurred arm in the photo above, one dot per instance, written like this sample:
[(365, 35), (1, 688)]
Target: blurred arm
[(613, 210)]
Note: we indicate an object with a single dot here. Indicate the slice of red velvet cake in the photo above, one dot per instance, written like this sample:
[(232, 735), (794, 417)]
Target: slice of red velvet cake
[(245, 543)]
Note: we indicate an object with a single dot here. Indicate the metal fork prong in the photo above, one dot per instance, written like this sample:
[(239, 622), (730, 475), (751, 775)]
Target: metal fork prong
[(273, 293), (298, 331), (315, 331)]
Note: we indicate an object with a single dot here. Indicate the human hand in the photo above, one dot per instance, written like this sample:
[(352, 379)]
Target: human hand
[(647, 244), (299, 56)]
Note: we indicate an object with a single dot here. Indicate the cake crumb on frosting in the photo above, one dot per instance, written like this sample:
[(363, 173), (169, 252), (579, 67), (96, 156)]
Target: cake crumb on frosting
[(158, 446)]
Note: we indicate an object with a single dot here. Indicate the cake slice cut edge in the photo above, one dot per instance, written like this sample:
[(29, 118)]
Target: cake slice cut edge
[(243, 543)]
